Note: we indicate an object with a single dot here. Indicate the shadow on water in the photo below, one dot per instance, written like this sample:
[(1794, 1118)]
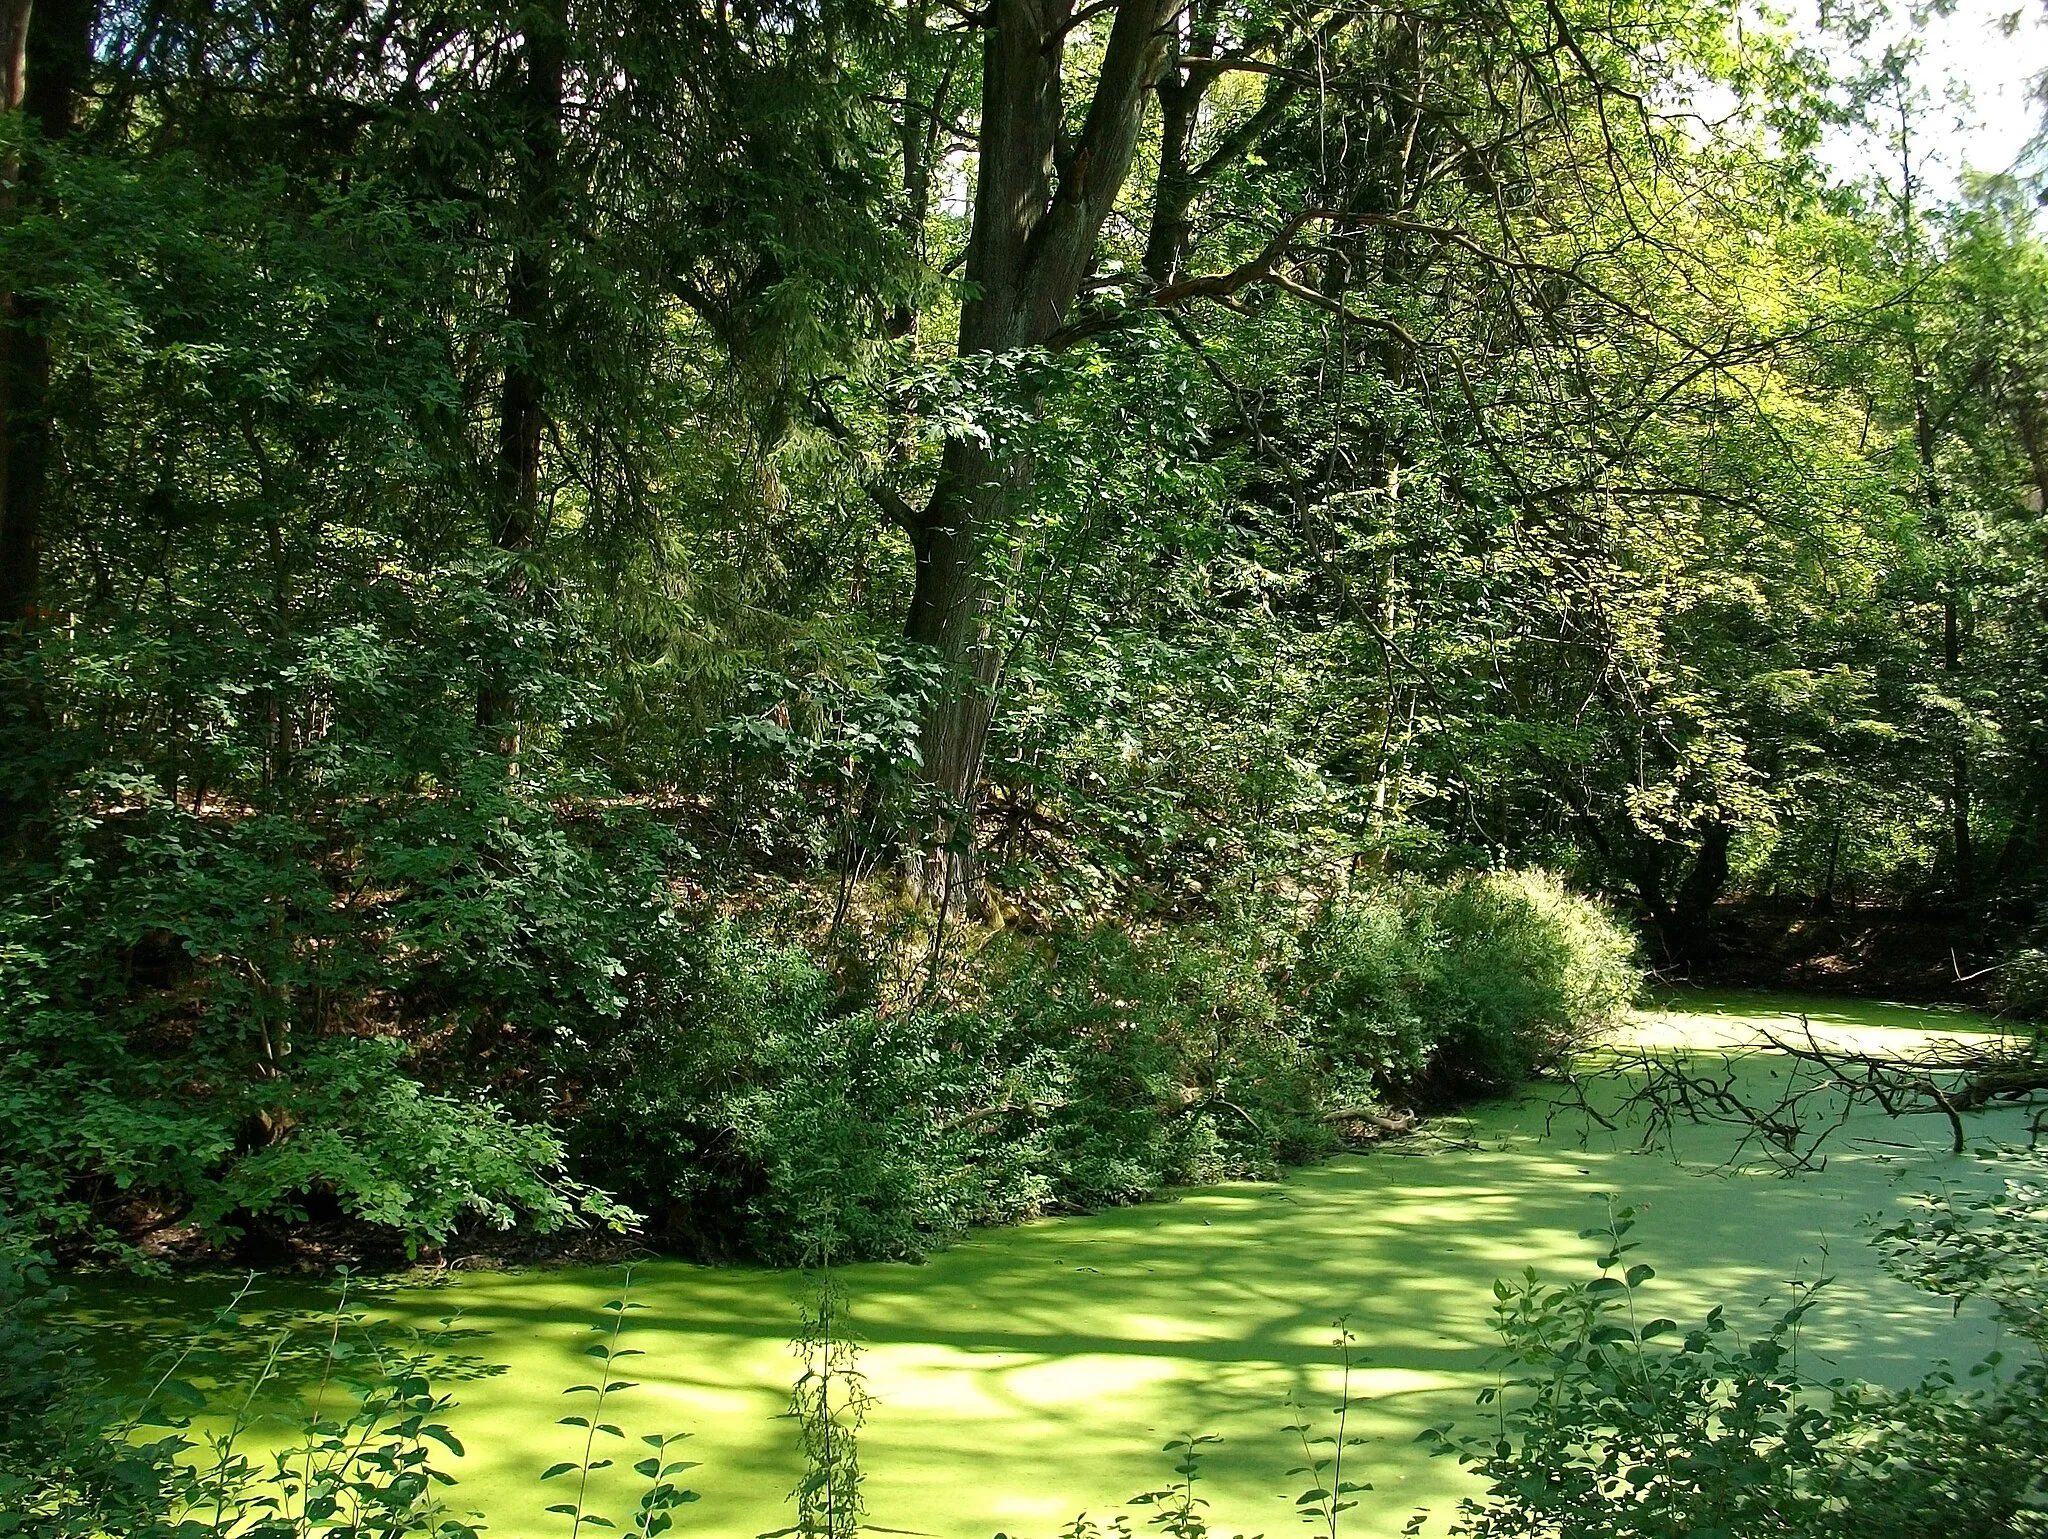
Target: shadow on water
[(230, 1330), (1028, 1373)]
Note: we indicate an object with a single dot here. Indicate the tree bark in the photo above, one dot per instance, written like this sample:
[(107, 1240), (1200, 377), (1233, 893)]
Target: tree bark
[(1191, 68), (1181, 89), (1038, 211), (522, 406), (45, 53), (1693, 912)]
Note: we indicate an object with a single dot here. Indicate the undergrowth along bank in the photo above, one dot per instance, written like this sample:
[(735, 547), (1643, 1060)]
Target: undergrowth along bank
[(752, 1090), (534, 1038)]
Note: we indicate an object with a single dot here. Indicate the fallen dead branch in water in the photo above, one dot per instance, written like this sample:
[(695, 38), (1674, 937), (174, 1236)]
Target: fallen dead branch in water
[(1392, 1127), (1822, 1085)]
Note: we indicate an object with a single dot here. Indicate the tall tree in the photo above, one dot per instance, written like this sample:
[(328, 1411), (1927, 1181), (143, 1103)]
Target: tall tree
[(45, 59), (1040, 200), (532, 222)]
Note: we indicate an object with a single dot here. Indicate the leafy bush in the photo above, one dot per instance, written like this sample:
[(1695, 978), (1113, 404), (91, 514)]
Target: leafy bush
[(754, 1106), (1612, 1424), (388, 1153), (1364, 978), (1525, 970), (231, 1018), (1469, 987), (1165, 1057), (750, 1106), (755, 1103)]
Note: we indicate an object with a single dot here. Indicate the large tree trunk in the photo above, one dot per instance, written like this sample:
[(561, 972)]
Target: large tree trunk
[(1692, 916), (522, 408), (45, 51), (1038, 210)]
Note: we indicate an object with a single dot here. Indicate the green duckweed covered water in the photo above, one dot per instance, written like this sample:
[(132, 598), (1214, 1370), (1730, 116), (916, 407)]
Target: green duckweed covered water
[(1029, 1373)]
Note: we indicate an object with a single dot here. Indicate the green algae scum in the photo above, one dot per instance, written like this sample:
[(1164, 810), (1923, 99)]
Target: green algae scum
[(1028, 1374)]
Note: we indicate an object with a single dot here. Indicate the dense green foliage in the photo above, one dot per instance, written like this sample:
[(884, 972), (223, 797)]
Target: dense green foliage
[(749, 1103), (1613, 1424), (866, 616)]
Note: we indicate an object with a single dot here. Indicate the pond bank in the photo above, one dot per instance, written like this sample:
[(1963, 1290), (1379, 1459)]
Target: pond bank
[(1028, 1373)]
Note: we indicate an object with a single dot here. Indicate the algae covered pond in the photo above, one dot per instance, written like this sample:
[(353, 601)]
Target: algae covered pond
[(1026, 1374)]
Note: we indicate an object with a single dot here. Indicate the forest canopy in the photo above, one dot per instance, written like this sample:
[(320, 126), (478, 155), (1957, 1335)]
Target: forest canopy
[(967, 609)]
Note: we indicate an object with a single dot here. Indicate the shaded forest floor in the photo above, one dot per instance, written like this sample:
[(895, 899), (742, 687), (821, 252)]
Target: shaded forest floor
[(1931, 956)]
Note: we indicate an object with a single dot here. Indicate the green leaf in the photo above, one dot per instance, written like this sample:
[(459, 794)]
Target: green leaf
[(444, 1437)]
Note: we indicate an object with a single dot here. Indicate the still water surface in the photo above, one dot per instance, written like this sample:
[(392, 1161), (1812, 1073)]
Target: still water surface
[(1027, 1374)]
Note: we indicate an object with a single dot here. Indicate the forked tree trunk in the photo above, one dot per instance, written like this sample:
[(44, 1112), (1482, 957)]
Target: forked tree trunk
[(1038, 210)]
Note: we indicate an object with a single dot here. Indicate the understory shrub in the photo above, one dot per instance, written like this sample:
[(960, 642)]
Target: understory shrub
[(431, 1006), (1166, 1057), (1524, 971), (753, 1102), (753, 1107), (252, 1019), (1470, 987), (750, 1107)]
